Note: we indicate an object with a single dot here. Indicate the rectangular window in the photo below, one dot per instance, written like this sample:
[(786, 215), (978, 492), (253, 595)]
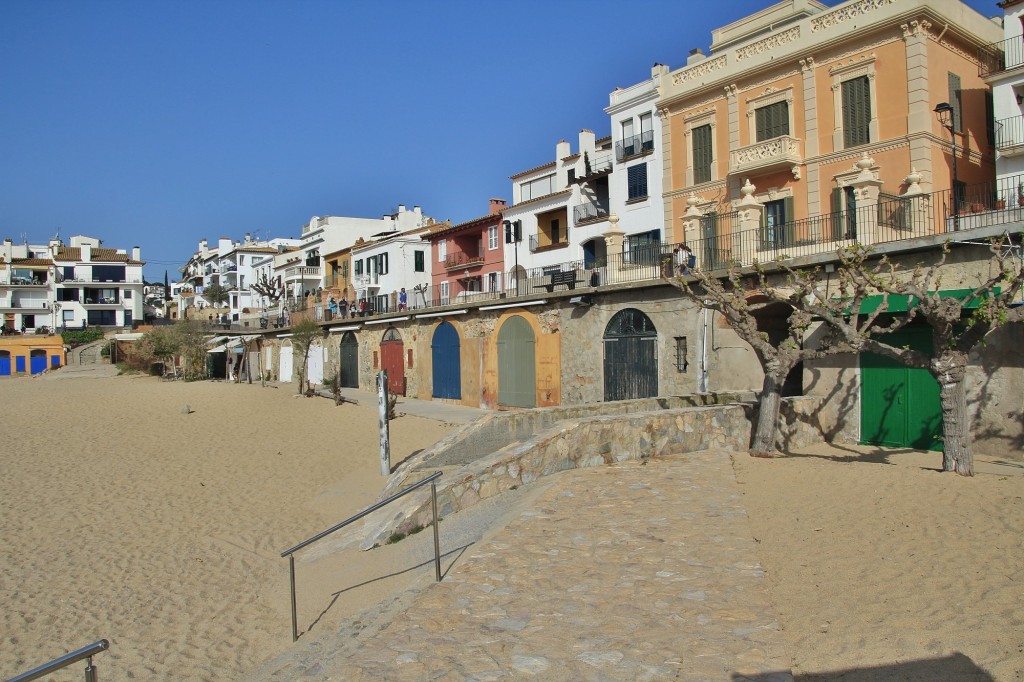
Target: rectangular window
[(492, 237), (417, 259), (844, 213), (776, 229), (637, 181), (442, 250), (537, 188), (702, 154), (643, 248), (772, 121), (856, 111), (680, 353), (492, 281), (127, 293), (646, 132), (444, 293), (359, 267), (956, 101)]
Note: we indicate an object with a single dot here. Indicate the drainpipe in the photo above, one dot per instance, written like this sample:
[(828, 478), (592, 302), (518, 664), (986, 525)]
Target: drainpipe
[(702, 383)]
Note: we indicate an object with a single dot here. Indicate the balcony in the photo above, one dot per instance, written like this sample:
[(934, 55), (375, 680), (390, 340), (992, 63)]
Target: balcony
[(301, 273), (366, 281), (542, 242), (590, 212), (28, 282), (778, 152), (1002, 56), (637, 145), (1010, 136), (463, 260)]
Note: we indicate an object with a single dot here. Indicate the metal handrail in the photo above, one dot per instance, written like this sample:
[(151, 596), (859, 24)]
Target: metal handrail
[(66, 660), (290, 553)]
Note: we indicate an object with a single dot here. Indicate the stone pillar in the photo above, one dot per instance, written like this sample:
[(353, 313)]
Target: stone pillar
[(691, 219), (917, 210), (749, 209), (867, 187), (613, 237)]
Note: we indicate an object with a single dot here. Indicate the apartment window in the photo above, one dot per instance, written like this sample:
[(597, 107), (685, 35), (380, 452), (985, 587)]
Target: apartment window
[(241, 260), (637, 181), (359, 267), (856, 111), (646, 132), (492, 237), (127, 293), (772, 121), (627, 138), (956, 101), (844, 213), (417, 261), (643, 248), (492, 281), (702, 155), (442, 250), (776, 230), (537, 188), (444, 293)]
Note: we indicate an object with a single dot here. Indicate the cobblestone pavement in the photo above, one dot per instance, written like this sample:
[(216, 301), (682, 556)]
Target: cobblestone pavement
[(628, 572)]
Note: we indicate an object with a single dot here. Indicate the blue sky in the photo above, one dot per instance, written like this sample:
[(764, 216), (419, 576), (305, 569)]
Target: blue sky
[(157, 124)]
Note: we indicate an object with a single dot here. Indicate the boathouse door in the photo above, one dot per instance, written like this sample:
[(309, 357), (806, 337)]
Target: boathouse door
[(285, 372), (349, 361), (517, 372), (37, 361), (315, 364), (5, 363), (445, 354), (630, 356), (391, 351)]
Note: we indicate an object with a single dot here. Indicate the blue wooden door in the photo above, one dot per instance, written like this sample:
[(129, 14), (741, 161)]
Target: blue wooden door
[(517, 372), (37, 361), (445, 357), (19, 363), (5, 363)]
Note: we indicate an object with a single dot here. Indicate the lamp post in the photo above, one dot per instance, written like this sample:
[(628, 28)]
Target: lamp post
[(944, 112)]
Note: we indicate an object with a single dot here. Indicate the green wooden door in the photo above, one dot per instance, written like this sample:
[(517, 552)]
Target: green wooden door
[(900, 406), (517, 373)]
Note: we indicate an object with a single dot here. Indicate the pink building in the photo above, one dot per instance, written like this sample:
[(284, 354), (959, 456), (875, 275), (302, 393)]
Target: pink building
[(467, 260)]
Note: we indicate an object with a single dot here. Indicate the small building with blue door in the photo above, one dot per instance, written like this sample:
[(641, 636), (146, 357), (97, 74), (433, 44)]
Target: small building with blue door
[(29, 354)]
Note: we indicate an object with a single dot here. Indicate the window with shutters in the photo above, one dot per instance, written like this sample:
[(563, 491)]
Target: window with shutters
[(442, 250), (772, 121), (417, 260), (637, 181), (956, 101), (856, 111), (702, 155)]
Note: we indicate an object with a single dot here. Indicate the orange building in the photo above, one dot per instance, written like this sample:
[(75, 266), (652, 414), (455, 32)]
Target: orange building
[(808, 126)]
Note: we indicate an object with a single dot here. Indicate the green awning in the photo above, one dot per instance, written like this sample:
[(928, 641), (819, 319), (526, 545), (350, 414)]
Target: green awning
[(899, 303)]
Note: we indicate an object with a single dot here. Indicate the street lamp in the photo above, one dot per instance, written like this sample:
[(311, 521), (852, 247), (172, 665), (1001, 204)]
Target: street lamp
[(944, 112)]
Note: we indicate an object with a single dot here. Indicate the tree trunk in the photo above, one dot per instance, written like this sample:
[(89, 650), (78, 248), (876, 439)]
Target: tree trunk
[(957, 455), (763, 444)]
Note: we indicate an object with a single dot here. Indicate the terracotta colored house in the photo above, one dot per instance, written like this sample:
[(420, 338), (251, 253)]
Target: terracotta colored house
[(466, 259)]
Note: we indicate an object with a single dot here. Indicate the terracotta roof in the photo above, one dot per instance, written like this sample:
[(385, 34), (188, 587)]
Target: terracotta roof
[(99, 255), (257, 249), (537, 200), (532, 170), (603, 140), (475, 222), (31, 261)]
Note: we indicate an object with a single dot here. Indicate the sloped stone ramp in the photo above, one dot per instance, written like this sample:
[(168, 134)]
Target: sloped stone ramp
[(640, 570)]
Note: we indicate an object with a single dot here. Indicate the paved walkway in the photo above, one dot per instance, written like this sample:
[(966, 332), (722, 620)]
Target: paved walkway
[(626, 572), (430, 409)]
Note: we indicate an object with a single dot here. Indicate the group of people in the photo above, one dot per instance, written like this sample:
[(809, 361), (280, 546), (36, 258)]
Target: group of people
[(683, 260), (345, 309)]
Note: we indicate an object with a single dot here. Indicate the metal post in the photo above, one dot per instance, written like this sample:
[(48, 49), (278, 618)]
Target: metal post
[(437, 543), (90, 671), (291, 574), (385, 433), (956, 199)]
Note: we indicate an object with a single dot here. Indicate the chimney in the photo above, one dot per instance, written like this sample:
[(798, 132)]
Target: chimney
[(587, 140), (401, 208), (8, 250), (247, 237), (658, 70), (562, 150), (696, 55), (136, 253), (496, 206), (86, 250)]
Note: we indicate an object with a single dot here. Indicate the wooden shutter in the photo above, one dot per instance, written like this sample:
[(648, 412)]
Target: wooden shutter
[(837, 213), (856, 111), (702, 154), (990, 131), (955, 100), (772, 121), (788, 216), (637, 181)]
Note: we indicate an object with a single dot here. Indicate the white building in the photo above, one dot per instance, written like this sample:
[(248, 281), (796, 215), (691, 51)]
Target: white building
[(58, 286), (383, 267), (1002, 67)]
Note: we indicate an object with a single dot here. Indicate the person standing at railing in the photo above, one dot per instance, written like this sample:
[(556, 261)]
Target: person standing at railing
[(403, 300), (686, 260)]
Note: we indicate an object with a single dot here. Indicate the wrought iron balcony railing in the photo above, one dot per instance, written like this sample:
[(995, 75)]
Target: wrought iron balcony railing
[(1002, 56), (1010, 136), (543, 242), (463, 260), (589, 212), (634, 146)]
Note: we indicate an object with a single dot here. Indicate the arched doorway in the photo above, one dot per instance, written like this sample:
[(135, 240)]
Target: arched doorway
[(630, 356), (445, 354), (517, 283), (37, 361), (5, 363), (517, 371), (349, 361), (391, 351), (285, 370)]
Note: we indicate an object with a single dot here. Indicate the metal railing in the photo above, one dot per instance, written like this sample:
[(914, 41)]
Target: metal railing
[(1009, 133), (537, 245), (86, 652), (290, 553), (589, 211), (996, 57), (634, 145)]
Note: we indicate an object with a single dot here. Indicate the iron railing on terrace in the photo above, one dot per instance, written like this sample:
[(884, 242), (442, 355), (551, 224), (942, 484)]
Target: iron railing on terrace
[(1009, 133), (634, 145), (590, 211), (720, 242), (1001, 56)]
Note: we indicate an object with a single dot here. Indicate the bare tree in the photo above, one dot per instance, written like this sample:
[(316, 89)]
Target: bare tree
[(740, 298), (270, 288), (304, 334), (958, 323), (215, 294)]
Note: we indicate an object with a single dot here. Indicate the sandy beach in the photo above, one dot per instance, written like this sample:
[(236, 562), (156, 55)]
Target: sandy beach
[(126, 519), (161, 531)]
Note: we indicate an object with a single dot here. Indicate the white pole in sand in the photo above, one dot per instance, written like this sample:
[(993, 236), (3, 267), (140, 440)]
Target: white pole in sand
[(385, 435)]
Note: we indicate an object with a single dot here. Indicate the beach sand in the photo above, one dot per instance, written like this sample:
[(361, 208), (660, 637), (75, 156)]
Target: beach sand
[(124, 518)]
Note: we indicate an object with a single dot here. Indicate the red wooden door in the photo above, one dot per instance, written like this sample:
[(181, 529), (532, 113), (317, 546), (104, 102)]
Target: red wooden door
[(391, 361)]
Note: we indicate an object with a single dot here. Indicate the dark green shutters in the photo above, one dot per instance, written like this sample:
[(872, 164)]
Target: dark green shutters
[(856, 111), (772, 121), (702, 155), (956, 101), (637, 181)]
